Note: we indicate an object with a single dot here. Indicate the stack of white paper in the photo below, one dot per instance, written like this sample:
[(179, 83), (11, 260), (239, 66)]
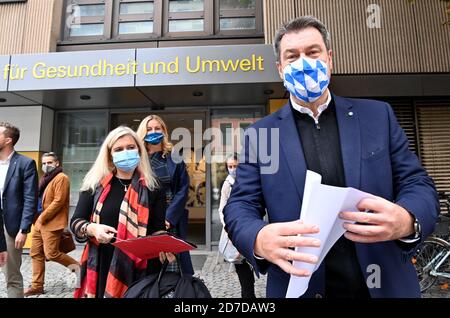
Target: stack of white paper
[(321, 206)]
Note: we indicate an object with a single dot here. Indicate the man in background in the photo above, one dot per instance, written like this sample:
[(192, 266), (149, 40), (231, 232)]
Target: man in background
[(53, 209), (18, 194)]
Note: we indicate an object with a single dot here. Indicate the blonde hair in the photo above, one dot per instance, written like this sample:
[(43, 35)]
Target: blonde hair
[(104, 165), (142, 132)]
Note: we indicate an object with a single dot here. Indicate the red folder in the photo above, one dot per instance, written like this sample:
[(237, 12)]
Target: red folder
[(150, 246)]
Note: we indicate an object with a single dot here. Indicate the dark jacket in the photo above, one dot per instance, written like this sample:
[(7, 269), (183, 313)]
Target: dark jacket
[(176, 213), (2, 234), (376, 159), (20, 195)]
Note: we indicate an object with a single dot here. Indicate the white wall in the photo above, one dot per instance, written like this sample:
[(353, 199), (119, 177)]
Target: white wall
[(35, 124)]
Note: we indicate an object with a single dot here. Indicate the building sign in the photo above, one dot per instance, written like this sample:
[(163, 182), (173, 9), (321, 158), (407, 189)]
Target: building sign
[(68, 70), (206, 65), (4, 60), (141, 67)]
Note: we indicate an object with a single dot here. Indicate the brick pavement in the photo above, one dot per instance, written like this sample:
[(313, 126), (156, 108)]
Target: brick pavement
[(221, 280)]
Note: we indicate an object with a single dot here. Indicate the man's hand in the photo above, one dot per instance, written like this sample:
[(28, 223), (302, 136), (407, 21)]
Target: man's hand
[(38, 224), (386, 221), (3, 258), (41, 219), (275, 242), (103, 233), (21, 238)]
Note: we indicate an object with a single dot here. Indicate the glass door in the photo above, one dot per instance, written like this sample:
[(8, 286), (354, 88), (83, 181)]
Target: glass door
[(231, 123), (79, 138), (193, 124)]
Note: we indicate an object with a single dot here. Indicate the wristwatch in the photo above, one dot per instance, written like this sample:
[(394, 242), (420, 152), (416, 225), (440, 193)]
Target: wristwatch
[(417, 228)]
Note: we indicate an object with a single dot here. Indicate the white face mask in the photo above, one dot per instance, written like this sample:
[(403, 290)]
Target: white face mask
[(232, 172), (307, 79)]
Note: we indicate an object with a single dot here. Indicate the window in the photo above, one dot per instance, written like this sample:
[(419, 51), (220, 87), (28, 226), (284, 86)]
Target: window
[(226, 119), (98, 20), (85, 19), (137, 19), (188, 17), (88, 29), (79, 137), (243, 127), (11, 1), (238, 17), (92, 10), (227, 136)]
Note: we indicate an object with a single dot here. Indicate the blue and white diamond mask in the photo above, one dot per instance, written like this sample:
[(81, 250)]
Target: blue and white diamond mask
[(307, 79)]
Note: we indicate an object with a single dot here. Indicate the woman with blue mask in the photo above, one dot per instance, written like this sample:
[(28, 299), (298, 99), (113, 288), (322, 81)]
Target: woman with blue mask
[(243, 268), (172, 174), (120, 198)]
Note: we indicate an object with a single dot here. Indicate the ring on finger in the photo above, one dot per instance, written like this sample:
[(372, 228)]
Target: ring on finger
[(287, 254)]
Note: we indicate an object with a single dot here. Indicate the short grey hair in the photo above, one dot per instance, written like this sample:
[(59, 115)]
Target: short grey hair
[(299, 24), (51, 154)]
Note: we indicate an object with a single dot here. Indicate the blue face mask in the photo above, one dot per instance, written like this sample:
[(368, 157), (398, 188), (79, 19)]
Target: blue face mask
[(126, 160), (307, 79), (154, 138)]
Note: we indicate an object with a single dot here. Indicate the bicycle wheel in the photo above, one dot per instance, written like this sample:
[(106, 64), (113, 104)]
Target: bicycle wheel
[(426, 259)]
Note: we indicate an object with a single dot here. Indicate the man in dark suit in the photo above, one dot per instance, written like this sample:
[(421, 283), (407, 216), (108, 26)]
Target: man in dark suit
[(18, 190), (351, 143)]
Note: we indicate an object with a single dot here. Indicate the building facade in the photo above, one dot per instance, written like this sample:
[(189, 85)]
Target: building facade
[(72, 70)]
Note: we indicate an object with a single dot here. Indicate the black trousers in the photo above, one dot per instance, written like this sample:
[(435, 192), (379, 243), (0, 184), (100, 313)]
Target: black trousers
[(246, 279)]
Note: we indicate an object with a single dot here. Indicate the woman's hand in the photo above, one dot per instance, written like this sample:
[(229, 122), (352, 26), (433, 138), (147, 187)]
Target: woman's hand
[(103, 233), (169, 256), (168, 226)]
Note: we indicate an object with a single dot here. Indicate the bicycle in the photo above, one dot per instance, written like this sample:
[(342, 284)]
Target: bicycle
[(432, 258)]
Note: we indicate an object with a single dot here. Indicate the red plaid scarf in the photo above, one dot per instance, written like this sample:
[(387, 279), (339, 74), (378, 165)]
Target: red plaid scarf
[(125, 268)]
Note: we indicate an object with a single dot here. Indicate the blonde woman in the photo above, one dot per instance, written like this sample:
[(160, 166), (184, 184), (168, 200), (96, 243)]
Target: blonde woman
[(119, 198), (172, 175)]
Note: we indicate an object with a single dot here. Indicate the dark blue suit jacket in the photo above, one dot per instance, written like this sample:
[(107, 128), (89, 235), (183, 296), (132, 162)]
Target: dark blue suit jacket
[(20, 194), (376, 160), (176, 212)]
